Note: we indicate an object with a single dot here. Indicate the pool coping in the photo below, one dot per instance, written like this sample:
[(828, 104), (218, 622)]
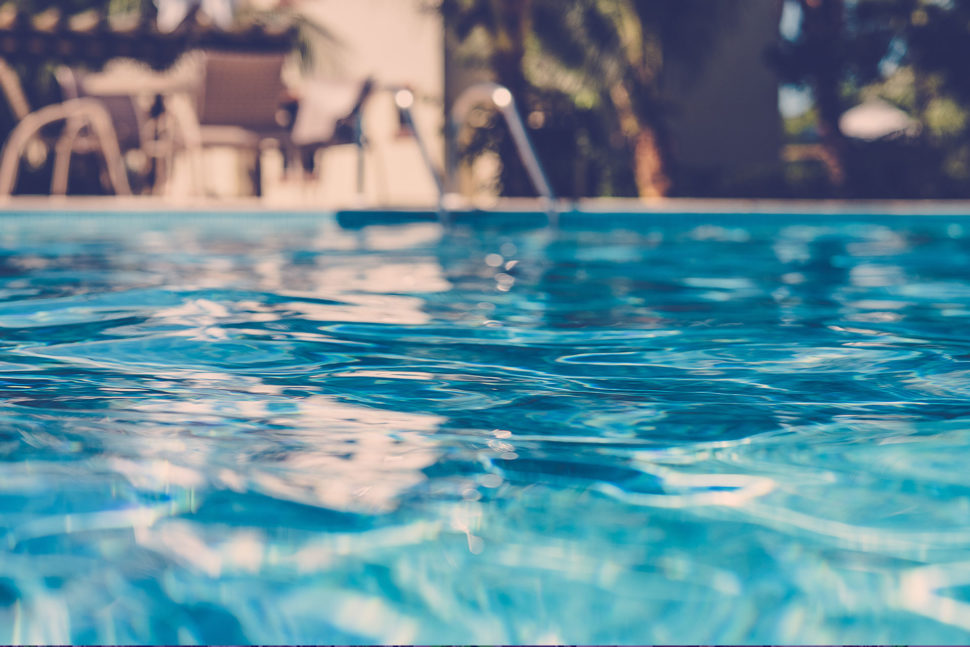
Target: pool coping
[(600, 207)]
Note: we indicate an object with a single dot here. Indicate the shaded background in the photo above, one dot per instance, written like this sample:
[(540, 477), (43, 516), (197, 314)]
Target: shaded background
[(650, 98)]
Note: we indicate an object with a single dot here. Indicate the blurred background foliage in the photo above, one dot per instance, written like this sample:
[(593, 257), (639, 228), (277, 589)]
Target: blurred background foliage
[(586, 73), (911, 54), (589, 74)]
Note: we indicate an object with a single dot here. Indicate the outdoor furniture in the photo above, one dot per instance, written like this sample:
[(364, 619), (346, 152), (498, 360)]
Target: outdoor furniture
[(329, 113), (238, 105), (129, 121), (149, 133), (88, 127), (93, 37)]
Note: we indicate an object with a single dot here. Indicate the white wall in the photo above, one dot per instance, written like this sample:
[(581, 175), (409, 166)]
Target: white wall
[(398, 42)]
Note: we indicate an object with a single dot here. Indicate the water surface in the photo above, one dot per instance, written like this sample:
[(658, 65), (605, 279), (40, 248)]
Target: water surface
[(240, 429)]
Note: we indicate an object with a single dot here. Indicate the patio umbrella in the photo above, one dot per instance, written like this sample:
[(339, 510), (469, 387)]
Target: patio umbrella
[(877, 119)]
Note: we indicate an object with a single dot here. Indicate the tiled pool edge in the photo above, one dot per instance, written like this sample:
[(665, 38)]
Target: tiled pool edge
[(509, 212)]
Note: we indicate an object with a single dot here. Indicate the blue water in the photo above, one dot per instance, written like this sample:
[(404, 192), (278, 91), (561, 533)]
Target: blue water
[(692, 429)]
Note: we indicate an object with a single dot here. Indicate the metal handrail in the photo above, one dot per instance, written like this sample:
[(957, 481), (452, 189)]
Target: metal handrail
[(500, 98), (404, 100)]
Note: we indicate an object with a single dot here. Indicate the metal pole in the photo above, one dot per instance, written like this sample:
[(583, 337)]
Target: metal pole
[(500, 97), (404, 99), (359, 141)]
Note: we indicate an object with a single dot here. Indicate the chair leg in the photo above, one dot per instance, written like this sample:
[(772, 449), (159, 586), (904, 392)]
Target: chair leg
[(185, 128), (108, 139), (258, 174), (360, 171), (62, 155), (16, 144)]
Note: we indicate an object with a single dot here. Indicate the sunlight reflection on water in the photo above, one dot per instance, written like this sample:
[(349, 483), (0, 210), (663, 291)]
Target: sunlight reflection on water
[(231, 430)]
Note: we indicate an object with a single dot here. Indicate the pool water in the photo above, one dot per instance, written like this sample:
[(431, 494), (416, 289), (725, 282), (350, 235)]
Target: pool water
[(687, 429)]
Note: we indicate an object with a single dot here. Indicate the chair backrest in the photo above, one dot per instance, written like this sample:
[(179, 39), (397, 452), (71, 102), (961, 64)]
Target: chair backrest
[(327, 110), (125, 115), (241, 89)]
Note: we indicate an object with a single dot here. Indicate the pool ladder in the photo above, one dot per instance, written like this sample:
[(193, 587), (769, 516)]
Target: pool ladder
[(501, 99)]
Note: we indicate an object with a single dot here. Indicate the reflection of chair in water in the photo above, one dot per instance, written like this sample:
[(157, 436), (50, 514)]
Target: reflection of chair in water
[(87, 127), (238, 105)]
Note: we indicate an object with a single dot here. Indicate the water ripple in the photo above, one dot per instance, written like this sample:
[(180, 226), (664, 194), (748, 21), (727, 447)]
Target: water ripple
[(231, 429)]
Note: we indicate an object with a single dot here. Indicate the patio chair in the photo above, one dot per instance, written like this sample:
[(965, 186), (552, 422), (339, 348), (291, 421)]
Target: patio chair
[(238, 105), (88, 127), (329, 113), (129, 120)]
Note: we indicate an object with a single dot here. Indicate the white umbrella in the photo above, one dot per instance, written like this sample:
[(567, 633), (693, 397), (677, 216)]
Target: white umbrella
[(875, 119)]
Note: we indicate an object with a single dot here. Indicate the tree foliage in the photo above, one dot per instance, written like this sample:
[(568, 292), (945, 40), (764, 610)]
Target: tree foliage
[(588, 71), (910, 53)]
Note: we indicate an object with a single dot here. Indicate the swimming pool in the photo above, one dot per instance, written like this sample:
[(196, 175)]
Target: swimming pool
[(667, 428)]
